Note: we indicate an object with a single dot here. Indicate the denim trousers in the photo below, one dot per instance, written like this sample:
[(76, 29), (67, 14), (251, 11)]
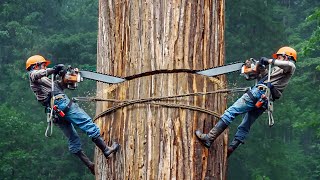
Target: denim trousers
[(75, 116), (245, 105)]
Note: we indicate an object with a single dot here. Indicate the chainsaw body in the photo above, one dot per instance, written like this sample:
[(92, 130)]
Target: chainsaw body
[(252, 69), (71, 78)]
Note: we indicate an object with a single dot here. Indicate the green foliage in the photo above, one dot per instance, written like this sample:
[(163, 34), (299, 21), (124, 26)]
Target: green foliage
[(65, 32), (251, 27), (312, 45)]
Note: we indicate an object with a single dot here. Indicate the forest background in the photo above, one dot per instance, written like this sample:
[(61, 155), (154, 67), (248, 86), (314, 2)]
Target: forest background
[(65, 31)]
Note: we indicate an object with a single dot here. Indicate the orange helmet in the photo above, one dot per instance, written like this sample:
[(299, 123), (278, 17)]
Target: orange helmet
[(286, 51), (35, 60)]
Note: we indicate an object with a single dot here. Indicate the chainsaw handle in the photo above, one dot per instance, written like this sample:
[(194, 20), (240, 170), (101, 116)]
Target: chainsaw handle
[(253, 60), (248, 69)]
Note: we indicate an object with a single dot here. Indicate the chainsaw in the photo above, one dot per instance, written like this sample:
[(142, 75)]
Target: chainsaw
[(250, 70)]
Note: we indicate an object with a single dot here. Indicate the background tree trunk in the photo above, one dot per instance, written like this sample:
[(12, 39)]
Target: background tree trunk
[(158, 142)]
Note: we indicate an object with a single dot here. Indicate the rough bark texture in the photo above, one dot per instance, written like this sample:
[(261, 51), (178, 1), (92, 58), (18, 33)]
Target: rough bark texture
[(158, 142)]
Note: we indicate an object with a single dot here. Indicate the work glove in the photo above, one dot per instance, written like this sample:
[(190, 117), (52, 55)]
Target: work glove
[(264, 61), (57, 68)]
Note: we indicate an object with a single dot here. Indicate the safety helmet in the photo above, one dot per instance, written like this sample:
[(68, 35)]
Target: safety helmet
[(286, 51), (36, 59)]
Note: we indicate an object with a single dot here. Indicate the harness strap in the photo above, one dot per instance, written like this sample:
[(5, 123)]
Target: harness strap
[(50, 115), (251, 96), (263, 79), (272, 88), (68, 107), (58, 112)]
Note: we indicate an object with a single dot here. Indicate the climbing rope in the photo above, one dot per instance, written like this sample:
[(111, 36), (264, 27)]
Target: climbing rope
[(49, 129), (125, 103)]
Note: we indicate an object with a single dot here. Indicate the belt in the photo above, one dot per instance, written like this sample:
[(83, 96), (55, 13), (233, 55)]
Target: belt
[(251, 96), (59, 96), (262, 88), (46, 102)]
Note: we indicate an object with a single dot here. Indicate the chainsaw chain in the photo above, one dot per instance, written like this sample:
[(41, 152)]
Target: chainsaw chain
[(220, 66), (160, 71), (101, 74)]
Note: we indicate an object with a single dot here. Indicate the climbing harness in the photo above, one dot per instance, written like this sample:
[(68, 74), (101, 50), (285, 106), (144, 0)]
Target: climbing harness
[(55, 114), (267, 97)]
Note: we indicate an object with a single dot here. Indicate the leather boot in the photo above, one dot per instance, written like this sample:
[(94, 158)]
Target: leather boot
[(84, 158), (104, 148), (207, 139), (233, 146)]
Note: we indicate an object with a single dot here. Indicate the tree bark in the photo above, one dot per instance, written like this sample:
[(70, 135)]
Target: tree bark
[(158, 142)]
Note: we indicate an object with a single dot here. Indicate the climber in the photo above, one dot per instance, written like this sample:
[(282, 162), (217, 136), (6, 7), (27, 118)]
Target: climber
[(41, 86), (284, 66)]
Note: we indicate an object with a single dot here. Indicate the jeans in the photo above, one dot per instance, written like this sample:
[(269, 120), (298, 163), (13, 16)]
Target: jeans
[(75, 116), (245, 105)]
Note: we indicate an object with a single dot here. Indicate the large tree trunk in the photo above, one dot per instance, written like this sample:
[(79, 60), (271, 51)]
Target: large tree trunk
[(158, 142)]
